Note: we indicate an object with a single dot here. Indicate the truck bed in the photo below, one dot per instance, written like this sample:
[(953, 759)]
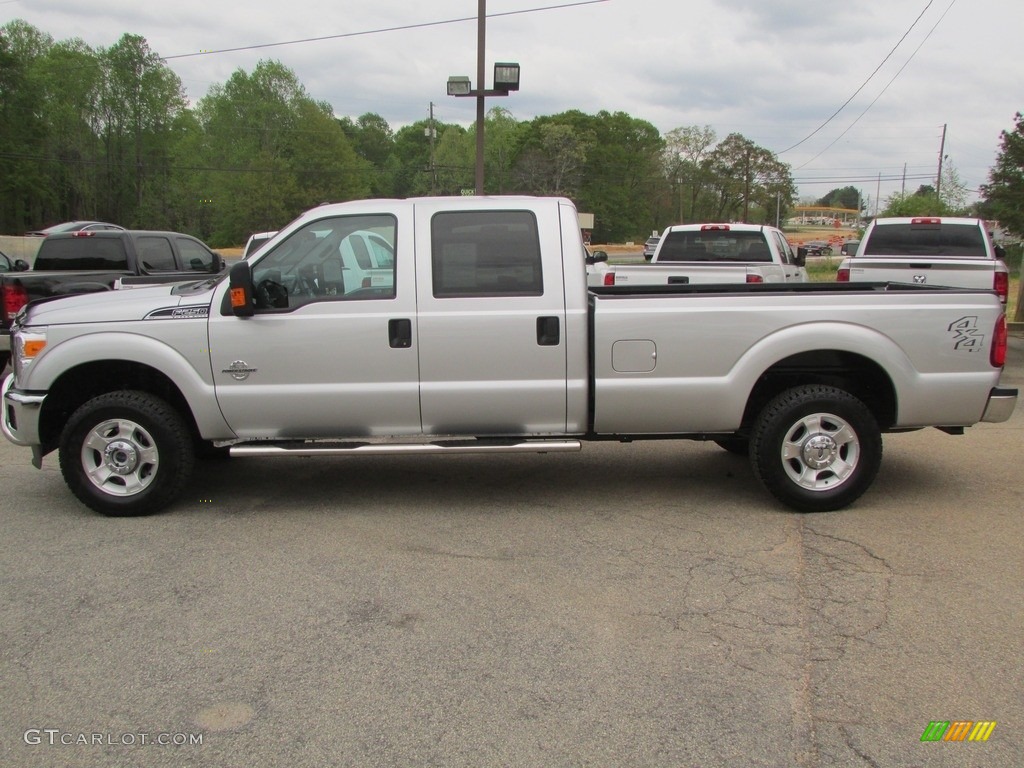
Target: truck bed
[(661, 365)]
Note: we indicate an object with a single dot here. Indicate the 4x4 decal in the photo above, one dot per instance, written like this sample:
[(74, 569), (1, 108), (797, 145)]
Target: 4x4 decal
[(966, 336)]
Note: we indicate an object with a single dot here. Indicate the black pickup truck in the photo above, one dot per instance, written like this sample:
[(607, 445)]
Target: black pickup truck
[(87, 262)]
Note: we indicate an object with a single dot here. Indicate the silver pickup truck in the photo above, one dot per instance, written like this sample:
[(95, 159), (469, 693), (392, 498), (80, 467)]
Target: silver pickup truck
[(484, 338), (711, 253)]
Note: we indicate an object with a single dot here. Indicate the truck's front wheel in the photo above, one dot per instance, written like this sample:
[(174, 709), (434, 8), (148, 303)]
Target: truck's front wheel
[(126, 453), (816, 448)]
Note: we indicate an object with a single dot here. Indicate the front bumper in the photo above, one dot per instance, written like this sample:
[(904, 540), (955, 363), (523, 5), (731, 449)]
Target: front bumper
[(20, 420), (1001, 403)]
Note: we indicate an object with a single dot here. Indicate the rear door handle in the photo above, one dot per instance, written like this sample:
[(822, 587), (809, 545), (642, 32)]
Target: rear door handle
[(400, 333), (548, 331)]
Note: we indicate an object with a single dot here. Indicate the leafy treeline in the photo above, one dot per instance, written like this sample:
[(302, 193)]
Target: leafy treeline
[(109, 134)]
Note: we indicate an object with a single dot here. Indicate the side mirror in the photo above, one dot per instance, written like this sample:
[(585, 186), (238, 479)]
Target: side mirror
[(801, 256), (1000, 254), (218, 263), (20, 265), (596, 256), (240, 289)]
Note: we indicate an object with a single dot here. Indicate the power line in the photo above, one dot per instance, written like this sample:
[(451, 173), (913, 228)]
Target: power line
[(401, 28), (862, 85), (880, 93)]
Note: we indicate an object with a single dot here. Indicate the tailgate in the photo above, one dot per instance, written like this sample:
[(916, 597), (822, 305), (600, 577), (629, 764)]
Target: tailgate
[(680, 273), (957, 273)]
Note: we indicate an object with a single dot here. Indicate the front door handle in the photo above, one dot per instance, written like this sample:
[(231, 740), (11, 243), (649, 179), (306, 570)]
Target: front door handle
[(400, 334), (548, 331)]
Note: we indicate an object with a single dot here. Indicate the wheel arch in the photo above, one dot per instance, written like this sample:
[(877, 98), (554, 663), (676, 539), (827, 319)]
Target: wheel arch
[(85, 381), (861, 376)]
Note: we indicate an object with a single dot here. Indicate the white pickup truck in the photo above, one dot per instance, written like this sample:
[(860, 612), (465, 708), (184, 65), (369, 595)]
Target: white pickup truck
[(929, 250), (690, 254), (485, 339)]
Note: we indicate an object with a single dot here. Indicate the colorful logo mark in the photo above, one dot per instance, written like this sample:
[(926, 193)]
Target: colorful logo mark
[(958, 730)]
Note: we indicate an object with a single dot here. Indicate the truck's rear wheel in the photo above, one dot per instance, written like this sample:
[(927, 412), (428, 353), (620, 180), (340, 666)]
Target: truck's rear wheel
[(126, 453), (816, 448)]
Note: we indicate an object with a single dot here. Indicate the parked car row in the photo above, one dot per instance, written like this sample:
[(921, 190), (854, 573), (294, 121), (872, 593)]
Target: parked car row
[(953, 252)]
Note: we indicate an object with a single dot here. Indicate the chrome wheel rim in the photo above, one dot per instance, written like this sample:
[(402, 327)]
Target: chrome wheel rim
[(120, 457), (820, 452)]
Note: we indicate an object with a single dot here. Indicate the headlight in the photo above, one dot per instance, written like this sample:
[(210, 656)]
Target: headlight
[(26, 346)]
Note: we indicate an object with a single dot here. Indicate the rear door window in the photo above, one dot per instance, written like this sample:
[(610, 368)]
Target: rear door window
[(155, 254), (486, 253)]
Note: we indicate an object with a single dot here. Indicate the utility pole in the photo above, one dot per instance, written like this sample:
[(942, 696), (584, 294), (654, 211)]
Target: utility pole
[(938, 179), (432, 133)]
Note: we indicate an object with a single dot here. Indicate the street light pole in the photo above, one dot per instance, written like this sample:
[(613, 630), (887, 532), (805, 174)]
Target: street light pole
[(506, 79), (481, 35)]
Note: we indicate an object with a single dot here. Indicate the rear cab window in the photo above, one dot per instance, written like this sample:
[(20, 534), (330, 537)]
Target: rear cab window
[(928, 237), (81, 253), (714, 245)]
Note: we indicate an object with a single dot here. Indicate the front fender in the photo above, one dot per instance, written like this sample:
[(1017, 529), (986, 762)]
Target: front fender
[(181, 354)]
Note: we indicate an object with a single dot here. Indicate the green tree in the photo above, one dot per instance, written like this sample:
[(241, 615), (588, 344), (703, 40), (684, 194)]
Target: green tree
[(373, 140), (847, 197), (621, 173), (29, 198), (414, 173), (455, 160), (139, 102), (1004, 194), (503, 138), (749, 182), (687, 167), (555, 165), (269, 152), (73, 78), (950, 199)]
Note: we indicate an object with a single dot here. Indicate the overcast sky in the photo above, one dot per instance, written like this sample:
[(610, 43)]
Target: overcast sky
[(772, 70)]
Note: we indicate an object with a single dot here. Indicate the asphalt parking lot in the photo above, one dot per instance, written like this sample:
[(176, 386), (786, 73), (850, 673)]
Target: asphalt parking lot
[(631, 605)]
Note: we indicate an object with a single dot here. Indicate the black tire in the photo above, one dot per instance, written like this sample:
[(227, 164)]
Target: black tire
[(126, 453), (737, 445), (816, 448)]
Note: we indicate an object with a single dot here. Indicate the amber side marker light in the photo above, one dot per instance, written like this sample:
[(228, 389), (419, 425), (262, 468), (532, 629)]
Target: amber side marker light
[(33, 347)]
